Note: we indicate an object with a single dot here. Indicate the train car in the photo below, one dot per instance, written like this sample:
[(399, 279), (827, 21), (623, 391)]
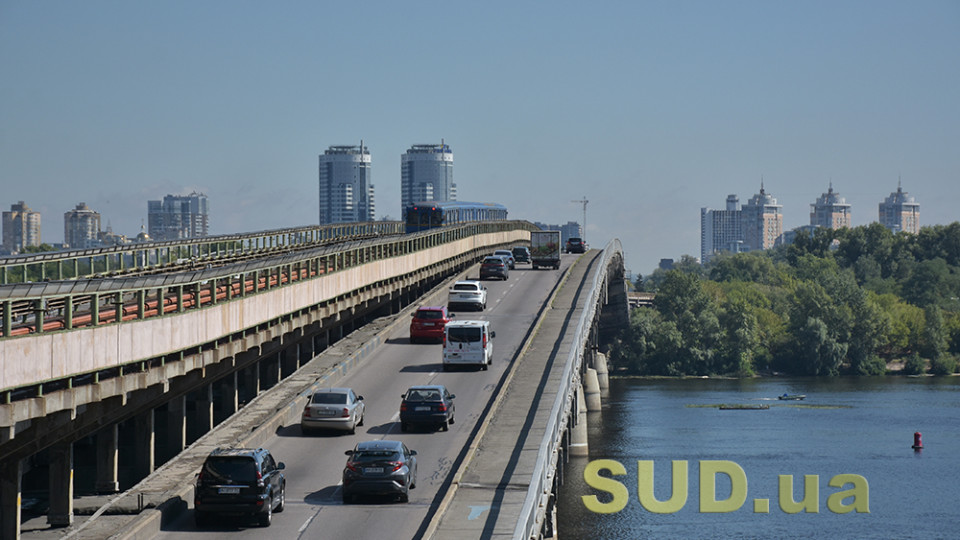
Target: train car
[(430, 214)]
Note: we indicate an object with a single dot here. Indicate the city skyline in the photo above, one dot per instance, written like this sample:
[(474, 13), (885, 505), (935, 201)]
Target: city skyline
[(649, 113)]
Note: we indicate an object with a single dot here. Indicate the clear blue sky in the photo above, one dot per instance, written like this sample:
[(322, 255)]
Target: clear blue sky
[(651, 110)]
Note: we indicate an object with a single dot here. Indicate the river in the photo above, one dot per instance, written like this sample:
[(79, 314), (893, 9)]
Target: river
[(846, 426)]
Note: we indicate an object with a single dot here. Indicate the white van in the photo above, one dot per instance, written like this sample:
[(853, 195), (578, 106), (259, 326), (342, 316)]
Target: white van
[(468, 343)]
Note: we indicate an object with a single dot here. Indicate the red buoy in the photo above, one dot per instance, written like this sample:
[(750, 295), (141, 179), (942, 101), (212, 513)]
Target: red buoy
[(917, 441)]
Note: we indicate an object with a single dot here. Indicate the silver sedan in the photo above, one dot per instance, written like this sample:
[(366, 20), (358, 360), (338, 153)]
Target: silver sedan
[(333, 408)]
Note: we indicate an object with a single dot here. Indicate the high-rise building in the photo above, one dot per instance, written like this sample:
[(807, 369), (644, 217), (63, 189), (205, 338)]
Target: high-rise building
[(721, 230), (830, 211), (21, 228), (346, 191), (178, 216), (81, 227), (762, 221), (426, 174), (900, 212)]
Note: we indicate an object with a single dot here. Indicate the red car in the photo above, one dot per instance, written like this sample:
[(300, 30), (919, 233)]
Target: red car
[(428, 323)]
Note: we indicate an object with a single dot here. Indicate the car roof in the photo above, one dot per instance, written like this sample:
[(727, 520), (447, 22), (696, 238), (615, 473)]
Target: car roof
[(503, 251), (470, 281), (340, 390), (431, 308), (236, 452), (380, 445), (455, 324), (427, 387), (493, 258)]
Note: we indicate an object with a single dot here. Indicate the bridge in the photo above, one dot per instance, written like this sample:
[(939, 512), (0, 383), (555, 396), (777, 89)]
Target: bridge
[(141, 373)]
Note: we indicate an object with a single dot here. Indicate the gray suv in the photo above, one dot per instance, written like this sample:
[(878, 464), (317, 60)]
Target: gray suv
[(239, 481)]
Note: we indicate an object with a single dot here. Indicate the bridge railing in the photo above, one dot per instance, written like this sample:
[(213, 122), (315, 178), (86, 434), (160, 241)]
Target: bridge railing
[(534, 507)]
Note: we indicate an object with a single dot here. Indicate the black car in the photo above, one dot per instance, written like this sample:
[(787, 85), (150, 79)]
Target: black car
[(380, 468), (431, 405), (494, 267), (240, 481), (521, 254), (575, 245)]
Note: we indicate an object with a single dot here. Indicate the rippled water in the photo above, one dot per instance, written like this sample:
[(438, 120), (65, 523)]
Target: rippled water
[(861, 426)]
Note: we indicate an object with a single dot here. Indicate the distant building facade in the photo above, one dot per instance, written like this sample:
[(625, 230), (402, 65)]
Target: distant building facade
[(572, 229), (721, 230), (346, 188), (81, 227), (21, 228), (178, 216), (762, 221), (426, 174), (900, 212), (830, 211)]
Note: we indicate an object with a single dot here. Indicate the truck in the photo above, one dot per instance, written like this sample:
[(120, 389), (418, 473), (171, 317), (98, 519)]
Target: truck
[(545, 249)]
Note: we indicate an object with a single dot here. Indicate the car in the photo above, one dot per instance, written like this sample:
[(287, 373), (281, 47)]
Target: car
[(333, 408), (240, 481), (468, 343), (379, 468), (575, 245), (430, 405), (508, 255), (467, 293), (428, 322), (521, 254), (494, 267)]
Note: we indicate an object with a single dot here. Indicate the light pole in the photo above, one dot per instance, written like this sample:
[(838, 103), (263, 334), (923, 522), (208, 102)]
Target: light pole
[(584, 202)]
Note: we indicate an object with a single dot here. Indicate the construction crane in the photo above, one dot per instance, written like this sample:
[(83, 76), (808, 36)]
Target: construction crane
[(584, 202)]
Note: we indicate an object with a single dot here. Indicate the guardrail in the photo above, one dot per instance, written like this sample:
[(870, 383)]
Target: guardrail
[(534, 506)]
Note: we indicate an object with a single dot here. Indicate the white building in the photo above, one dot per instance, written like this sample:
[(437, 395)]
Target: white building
[(721, 230), (346, 188), (81, 227), (831, 211), (900, 212), (426, 174)]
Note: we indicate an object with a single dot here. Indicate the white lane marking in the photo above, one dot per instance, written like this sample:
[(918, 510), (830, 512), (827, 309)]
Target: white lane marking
[(395, 417), (306, 524)]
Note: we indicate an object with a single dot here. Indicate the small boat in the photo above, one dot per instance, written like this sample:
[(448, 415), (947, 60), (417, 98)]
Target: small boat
[(743, 407), (792, 397)]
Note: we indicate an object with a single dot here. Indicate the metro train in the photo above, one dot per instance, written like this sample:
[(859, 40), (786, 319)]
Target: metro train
[(426, 215)]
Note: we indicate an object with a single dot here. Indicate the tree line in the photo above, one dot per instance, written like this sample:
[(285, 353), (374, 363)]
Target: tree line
[(845, 301)]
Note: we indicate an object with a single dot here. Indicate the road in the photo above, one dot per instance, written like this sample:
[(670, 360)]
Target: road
[(314, 508)]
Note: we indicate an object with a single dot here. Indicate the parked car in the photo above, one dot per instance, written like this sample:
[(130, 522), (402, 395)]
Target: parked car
[(575, 245), (494, 267), (467, 293), (380, 468), (333, 408), (508, 255), (427, 405), (521, 254), (428, 322), (468, 343), (240, 481)]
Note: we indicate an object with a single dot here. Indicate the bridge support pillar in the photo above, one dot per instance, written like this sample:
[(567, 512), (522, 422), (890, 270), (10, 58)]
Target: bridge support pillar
[(603, 375), (11, 472), (251, 382), (176, 426), (592, 385), (271, 370), (61, 485), (228, 395), (108, 440), (204, 411), (144, 437), (578, 438)]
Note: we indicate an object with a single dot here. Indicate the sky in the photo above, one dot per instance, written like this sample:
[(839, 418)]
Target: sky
[(650, 110)]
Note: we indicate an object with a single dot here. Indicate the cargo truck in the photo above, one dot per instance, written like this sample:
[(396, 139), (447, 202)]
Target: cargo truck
[(545, 249)]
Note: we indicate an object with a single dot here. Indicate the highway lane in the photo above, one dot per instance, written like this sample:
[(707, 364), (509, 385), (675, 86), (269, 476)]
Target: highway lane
[(314, 508)]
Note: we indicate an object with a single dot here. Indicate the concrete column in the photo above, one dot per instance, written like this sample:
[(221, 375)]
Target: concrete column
[(578, 438), (228, 395), (107, 458), (251, 382), (176, 425), (205, 410), (61, 485), (144, 437), (592, 385), (603, 376), (11, 471)]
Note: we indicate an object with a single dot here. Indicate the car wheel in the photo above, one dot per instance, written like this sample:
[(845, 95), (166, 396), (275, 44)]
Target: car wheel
[(304, 430), (200, 518), (283, 498), (483, 366), (403, 426), (353, 427), (444, 426), (404, 497), (360, 423), (413, 339), (347, 499), (267, 517), (452, 420)]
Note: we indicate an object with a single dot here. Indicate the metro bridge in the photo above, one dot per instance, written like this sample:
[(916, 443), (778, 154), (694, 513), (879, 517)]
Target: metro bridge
[(112, 383)]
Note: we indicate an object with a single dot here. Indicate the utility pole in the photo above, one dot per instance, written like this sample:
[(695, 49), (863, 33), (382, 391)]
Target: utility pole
[(584, 202)]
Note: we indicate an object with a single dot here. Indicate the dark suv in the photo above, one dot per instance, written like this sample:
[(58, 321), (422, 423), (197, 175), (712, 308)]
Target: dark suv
[(494, 267), (575, 245), (240, 481)]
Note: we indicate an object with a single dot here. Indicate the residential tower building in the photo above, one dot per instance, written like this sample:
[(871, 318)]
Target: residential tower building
[(721, 230), (178, 216), (81, 227), (346, 188), (762, 221), (900, 212), (830, 211), (426, 174), (21, 228)]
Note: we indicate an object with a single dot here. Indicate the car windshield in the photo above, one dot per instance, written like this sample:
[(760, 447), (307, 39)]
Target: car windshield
[(429, 314), (498, 261), (423, 395), (519, 251), (230, 469), (465, 287), (375, 455), (330, 398), (463, 335), (505, 253)]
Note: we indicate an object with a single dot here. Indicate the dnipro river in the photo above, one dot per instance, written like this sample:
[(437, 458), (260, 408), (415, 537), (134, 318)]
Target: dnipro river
[(856, 426)]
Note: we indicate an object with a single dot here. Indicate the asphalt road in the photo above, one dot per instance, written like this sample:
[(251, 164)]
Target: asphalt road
[(314, 508)]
